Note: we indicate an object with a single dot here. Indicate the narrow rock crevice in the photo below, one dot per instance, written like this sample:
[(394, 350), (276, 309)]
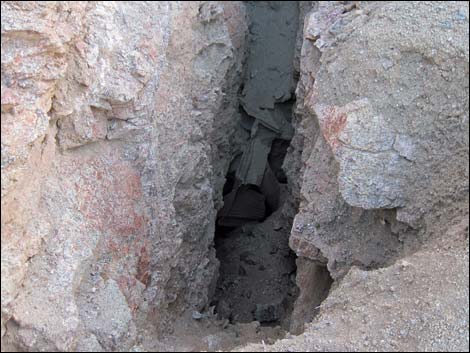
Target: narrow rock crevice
[(257, 267)]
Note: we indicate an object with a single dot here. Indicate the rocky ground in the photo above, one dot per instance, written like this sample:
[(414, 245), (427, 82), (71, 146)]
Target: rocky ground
[(257, 273), (119, 124)]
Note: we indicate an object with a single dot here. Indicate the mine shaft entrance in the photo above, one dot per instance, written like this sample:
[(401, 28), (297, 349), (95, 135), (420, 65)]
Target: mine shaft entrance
[(257, 268)]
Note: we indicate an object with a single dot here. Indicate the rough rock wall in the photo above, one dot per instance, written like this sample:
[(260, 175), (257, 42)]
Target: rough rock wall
[(385, 95), (381, 154), (112, 152), (111, 117)]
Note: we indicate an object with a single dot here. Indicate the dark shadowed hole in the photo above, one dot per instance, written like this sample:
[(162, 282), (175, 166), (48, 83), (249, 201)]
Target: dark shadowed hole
[(257, 267), (257, 274)]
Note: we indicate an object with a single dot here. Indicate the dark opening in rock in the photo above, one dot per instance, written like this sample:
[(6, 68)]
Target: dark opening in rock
[(257, 270), (257, 267)]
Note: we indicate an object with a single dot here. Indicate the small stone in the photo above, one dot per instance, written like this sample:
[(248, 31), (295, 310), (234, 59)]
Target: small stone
[(196, 315), (387, 64), (405, 264)]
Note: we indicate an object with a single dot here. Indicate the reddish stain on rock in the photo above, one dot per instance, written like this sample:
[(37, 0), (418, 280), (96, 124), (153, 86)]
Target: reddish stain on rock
[(109, 194), (99, 130), (143, 268), (332, 122)]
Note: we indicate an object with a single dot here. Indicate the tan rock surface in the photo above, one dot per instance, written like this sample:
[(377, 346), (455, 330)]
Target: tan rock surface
[(119, 121), (111, 147)]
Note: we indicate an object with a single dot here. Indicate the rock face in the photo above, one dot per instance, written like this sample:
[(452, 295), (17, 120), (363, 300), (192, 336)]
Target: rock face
[(119, 121), (113, 161), (387, 106), (381, 158)]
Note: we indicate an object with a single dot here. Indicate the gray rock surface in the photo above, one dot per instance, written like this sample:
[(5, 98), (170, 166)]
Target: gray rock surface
[(108, 315), (387, 147), (382, 133)]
